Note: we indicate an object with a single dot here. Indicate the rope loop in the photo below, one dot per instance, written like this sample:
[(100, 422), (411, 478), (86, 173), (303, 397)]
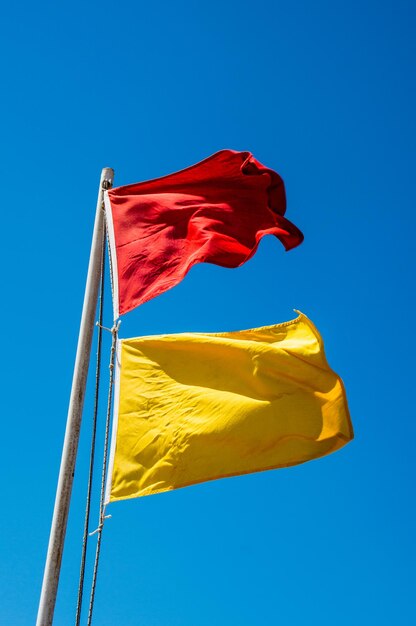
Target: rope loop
[(102, 516), (93, 439)]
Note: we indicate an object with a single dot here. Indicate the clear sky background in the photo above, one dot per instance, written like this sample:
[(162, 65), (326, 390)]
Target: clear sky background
[(324, 93)]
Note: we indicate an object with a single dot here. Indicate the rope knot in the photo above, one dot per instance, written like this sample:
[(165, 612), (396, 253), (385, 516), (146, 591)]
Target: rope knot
[(115, 328)]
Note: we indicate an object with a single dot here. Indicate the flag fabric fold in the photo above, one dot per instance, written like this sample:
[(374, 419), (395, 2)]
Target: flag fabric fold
[(195, 407), (215, 211)]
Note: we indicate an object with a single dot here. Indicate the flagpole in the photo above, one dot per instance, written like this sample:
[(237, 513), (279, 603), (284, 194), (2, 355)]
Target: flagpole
[(73, 424)]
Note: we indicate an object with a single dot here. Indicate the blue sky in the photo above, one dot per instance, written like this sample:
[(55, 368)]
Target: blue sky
[(323, 93)]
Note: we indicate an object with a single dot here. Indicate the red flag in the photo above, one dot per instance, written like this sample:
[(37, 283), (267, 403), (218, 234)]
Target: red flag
[(215, 211)]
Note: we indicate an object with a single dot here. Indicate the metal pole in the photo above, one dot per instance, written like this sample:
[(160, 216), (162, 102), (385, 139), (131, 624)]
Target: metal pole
[(73, 424)]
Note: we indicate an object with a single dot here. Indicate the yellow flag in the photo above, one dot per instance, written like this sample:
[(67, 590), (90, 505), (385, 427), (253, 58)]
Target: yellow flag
[(194, 407)]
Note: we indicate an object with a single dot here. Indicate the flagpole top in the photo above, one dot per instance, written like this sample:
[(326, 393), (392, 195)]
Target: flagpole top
[(107, 177)]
